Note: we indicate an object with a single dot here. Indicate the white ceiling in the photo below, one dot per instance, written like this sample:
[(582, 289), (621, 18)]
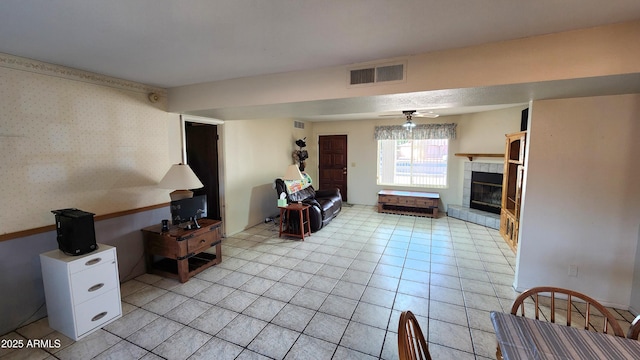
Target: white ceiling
[(171, 43)]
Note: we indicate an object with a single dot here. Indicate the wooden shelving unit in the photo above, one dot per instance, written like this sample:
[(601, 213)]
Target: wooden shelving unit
[(474, 155), (512, 188)]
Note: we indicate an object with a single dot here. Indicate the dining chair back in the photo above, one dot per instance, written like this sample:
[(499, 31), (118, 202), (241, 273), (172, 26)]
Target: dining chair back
[(634, 330), (555, 302), (560, 302), (411, 342)]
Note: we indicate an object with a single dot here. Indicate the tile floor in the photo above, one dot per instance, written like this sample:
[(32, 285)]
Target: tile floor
[(337, 295)]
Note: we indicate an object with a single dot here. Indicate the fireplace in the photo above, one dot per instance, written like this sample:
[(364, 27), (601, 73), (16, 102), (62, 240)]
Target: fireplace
[(466, 211), (486, 191)]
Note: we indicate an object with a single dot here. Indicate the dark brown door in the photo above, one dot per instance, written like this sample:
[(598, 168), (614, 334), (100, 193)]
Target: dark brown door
[(202, 156), (333, 163)]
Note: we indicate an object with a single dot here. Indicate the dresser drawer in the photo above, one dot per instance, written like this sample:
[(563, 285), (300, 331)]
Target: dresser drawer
[(92, 260), (93, 282), (201, 242), (426, 203), (98, 311), (386, 199), (406, 201)]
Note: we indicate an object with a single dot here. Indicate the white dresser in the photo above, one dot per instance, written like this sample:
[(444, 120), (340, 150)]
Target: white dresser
[(82, 292)]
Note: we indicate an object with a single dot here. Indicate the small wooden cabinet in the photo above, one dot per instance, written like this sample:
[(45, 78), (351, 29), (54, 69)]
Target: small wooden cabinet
[(408, 203), (82, 292), (182, 253), (512, 188)]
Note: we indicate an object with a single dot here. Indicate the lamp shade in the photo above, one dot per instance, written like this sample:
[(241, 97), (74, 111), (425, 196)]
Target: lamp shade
[(292, 173), (180, 177)]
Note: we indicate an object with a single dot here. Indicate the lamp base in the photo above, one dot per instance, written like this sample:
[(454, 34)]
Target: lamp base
[(180, 194)]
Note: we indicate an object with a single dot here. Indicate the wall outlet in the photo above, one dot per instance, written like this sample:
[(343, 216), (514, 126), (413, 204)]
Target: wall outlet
[(573, 270)]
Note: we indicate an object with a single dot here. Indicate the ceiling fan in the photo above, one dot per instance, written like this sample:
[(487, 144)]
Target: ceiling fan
[(409, 114)]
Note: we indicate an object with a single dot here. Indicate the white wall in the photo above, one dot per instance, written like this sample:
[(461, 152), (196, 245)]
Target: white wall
[(600, 51), (582, 197), (478, 133), (74, 139), (256, 152), (635, 289)]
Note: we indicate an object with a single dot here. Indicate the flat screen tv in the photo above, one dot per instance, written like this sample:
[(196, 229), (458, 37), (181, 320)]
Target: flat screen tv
[(184, 209)]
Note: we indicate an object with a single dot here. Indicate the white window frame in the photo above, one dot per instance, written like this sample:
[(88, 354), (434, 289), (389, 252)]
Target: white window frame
[(399, 175)]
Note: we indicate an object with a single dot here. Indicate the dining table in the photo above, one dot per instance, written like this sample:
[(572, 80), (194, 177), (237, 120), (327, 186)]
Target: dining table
[(525, 338)]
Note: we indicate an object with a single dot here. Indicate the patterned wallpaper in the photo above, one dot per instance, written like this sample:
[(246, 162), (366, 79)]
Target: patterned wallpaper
[(72, 139)]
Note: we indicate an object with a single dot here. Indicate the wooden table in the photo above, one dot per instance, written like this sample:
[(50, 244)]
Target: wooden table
[(525, 338), (292, 229), (408, 203), (182, 251)]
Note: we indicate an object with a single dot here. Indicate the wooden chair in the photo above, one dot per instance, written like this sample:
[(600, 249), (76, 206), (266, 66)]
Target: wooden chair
[(634, 330), (411, 342), (564, 308)]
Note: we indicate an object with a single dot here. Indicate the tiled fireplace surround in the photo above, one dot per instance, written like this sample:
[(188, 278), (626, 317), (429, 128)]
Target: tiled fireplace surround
[(466, 213)]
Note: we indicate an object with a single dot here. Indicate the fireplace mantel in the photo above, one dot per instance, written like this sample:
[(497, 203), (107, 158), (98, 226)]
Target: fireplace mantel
[(470, 156)]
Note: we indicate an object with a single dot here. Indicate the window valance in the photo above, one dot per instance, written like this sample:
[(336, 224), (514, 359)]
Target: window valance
[(420, 132)]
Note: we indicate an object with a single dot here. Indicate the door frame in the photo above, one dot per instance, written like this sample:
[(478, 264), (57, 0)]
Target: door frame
[(317, 138), (221, 164)]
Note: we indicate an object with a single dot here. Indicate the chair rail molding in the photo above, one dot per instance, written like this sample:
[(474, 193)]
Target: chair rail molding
[(43, 68)]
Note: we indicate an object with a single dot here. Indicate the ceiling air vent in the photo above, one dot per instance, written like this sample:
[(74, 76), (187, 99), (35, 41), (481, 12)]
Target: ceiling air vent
[(390, 73), (377, 74), (298, 124), (363, 76)]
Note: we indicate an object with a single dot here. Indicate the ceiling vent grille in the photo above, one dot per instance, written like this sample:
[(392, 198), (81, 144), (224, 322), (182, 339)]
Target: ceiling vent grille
[(390, 73), (377, 74), (363, 76), (298, 124)]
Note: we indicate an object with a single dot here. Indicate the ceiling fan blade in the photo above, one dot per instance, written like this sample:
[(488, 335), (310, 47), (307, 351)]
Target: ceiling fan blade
[(402, 114), (426, 114)]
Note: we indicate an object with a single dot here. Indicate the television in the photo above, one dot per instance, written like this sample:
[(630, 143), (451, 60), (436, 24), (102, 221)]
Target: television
[(184, 209)]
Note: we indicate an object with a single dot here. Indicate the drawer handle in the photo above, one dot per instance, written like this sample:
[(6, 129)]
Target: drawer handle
[(96, 287), (93, 261), (202, 241), (186, 237), (99, 316)]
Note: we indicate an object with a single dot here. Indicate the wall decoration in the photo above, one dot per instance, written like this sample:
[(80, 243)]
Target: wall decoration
[(300, 155)]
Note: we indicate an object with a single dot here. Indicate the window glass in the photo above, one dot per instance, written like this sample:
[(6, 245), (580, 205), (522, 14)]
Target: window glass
[(420, 163)]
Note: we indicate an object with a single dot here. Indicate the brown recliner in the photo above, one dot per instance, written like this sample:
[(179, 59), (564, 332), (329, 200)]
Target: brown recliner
[(325, 204)]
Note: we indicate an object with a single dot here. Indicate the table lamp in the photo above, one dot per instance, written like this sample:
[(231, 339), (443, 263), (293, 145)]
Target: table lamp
[(292, 173), (180, 178)]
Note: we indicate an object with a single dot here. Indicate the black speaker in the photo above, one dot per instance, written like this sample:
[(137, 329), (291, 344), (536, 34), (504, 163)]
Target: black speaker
[(524, 119), (76, 233)]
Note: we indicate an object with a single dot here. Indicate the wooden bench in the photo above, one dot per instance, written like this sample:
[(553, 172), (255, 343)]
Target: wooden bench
[(408, 203)]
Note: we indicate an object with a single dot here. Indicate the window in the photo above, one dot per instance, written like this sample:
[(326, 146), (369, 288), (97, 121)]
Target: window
[(414, 158), (411, 162)]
